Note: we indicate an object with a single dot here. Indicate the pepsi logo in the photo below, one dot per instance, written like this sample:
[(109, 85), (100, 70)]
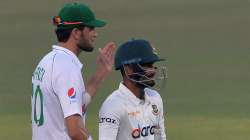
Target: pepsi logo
[(71, 93)]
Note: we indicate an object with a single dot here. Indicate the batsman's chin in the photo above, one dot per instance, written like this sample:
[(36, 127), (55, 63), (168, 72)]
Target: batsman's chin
[(150, 83)]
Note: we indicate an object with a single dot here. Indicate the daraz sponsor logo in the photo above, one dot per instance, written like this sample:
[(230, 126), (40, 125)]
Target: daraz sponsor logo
[(143, 132)]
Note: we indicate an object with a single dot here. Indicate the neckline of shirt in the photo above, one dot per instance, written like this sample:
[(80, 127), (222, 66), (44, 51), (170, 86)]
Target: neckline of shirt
[(70, 53), (126, 92)]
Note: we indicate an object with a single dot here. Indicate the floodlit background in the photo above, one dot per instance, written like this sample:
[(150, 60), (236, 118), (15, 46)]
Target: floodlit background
[(206, 43)]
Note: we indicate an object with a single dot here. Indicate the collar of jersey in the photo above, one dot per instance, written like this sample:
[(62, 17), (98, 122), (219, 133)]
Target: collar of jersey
[(126, 92), (68, 52)]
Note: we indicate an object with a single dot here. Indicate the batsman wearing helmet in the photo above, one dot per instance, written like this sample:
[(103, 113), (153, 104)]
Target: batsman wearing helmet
[(134, 111)]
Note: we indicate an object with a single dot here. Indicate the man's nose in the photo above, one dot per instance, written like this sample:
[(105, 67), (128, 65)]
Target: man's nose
[(95, 34)]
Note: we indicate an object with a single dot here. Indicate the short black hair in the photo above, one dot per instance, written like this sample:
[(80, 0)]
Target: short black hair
[(64, 34)]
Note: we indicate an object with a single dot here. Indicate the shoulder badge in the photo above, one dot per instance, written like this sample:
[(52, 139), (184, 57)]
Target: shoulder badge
[(155, 110)]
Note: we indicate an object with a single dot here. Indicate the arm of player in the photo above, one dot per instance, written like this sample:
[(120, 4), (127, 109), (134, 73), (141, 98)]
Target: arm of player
[(161, 121), (105, 62), (67, 89), (109, 121), (75, 127)]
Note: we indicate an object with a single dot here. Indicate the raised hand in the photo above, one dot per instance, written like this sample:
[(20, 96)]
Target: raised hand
[(105, 59), (105, 62)]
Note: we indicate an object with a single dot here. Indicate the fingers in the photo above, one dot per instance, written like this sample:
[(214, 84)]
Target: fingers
[(108, 47), (111, 49), (108, 51), (104, 64), (105, 59)]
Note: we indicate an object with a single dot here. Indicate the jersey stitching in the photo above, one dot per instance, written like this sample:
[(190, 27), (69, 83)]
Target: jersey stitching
[(74, 61), (63, 51), (53, 91)]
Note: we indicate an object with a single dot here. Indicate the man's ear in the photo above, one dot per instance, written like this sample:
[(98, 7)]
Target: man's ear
[(128, 69), (76, 34)]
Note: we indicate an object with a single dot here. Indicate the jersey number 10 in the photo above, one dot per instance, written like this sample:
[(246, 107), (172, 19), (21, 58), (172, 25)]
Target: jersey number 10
[(37, 105)]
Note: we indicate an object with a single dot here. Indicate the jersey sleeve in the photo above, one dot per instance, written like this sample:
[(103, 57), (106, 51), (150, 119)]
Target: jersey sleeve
[(162, 120), (109, 121), (65, 83), (156, 98)]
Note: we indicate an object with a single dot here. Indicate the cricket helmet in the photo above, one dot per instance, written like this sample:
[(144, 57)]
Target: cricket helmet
[(135, 52)]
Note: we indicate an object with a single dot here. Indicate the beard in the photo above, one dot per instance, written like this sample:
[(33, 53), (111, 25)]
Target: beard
[(142, 81), (150, 83), (84, 45), (142, 77)]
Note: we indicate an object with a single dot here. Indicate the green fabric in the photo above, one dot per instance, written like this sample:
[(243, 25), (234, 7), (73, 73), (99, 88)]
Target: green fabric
[(77, 12)]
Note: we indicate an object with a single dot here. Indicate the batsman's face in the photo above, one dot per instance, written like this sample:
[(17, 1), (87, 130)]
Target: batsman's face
[(87, 39), (149, 76), (142, 73)]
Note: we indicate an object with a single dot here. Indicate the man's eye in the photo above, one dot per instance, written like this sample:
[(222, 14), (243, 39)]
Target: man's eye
[(91, 27), (148, 66)]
